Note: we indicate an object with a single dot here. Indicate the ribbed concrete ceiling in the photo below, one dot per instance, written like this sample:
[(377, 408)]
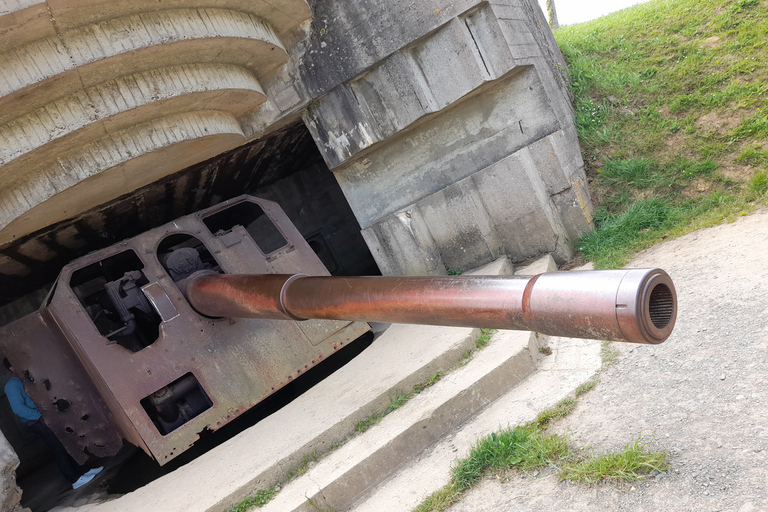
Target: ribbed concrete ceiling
[(34, 260), (99, 98)]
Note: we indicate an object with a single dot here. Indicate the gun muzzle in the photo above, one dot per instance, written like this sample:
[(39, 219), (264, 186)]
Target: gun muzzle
[(633, 305)]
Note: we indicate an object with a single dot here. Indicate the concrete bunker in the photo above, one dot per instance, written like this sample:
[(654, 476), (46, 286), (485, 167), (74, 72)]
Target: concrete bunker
[(108, 290), (401, 139)]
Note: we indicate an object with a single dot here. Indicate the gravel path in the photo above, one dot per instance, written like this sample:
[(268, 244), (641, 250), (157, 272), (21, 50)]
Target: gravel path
[(702, 395)]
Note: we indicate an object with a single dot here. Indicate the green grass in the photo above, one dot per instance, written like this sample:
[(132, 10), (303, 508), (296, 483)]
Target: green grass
[(523, 448), (754, 156), (484, 338), (395, 403), (302, 467), (759, 182), (670, 102), (528, 447), (753, 127), (587, 386), (260, 499), (264, 496), (634, 462), (432, 380), (608, 355), (647, 221), (562, 409)]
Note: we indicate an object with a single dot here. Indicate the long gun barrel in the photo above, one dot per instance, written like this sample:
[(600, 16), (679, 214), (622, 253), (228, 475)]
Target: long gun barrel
[(633, 305), (124, 356)]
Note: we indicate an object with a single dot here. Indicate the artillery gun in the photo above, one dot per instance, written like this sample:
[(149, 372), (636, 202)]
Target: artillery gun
[(187, 326)]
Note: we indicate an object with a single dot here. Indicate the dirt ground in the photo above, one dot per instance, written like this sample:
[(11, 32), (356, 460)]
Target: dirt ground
[(702, 395)]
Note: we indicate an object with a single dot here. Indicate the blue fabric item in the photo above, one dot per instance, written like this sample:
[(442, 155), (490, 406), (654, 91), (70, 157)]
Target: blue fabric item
[(21, 404)]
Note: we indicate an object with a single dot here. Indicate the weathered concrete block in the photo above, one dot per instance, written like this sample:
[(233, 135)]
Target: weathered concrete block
[(544, 264), (449, 63), (489, 39), (339, 126), (517, 200), (543, 53), (394, 95), (545, 39), (348, 37), (499, 267), (10, 494), (460, 226), (455, 169), (574, 206), (518, 33), (565, 146), (426, 77), (401, 244), (562, 170), (499, 119), (507, 208)]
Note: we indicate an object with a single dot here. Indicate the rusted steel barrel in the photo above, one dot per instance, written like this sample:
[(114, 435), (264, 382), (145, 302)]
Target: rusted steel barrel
[(634, 305)]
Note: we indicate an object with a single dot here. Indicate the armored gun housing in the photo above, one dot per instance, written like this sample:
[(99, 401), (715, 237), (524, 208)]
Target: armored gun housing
[(187, 326)]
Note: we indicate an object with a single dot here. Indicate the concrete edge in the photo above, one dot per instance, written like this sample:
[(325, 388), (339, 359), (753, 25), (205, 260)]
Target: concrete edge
[(572, 363), (426, 424), (344, 428)]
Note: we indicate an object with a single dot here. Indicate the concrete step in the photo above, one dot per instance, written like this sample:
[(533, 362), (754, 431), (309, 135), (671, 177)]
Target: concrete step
[(367, 460), (572, 362)]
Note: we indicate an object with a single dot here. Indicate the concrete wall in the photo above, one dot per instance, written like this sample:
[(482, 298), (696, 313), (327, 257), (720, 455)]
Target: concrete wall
[(10, 494), (315, 204), (460, 146), (102, 98), (100, 102)]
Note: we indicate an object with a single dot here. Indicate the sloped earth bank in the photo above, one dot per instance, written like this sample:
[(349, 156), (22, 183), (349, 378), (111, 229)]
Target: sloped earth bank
[(702, 395)]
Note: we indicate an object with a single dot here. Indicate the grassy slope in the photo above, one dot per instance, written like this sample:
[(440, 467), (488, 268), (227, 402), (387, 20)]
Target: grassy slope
[(672, 113)]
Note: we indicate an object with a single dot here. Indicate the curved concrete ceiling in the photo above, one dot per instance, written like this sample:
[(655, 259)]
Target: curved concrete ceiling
[(98, 98), (22, 21), (31, 261), (132, 160)]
